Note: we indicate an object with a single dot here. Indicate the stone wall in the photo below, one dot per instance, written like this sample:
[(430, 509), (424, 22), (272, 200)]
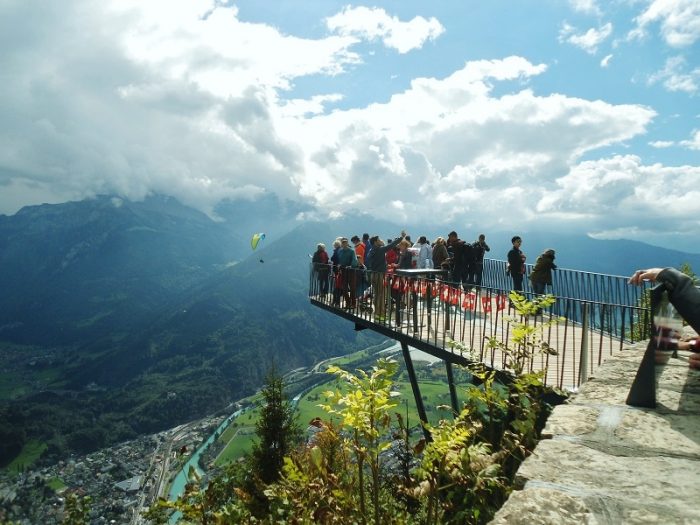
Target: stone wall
[(603, 462)]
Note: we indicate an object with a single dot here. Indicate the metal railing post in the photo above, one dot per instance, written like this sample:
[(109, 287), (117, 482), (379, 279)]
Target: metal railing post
[(583, 358)]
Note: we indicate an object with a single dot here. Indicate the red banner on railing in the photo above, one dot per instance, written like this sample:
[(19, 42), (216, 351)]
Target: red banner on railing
[(486, 304), (501, 301), (469, 301)]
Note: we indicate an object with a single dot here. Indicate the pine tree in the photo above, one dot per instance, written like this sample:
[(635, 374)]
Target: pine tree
[(277, 430)]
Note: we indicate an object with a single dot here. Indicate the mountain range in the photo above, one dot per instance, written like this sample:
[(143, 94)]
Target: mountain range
[(119, 318)]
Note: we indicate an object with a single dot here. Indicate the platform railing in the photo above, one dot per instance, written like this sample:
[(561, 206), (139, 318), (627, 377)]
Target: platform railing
[(574, 284), (437, 312)]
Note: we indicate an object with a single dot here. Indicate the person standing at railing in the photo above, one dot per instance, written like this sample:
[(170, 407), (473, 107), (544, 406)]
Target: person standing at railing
[(477, 270), (516, 263), (541, 274), (376, 264), (425, 253), (360, 272), (321, 269), (337, 277), (460, 258), (440, 254), (682, 294), (347, 260)]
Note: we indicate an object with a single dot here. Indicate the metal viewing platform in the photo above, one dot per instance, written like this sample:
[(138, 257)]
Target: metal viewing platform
[(422, 309)]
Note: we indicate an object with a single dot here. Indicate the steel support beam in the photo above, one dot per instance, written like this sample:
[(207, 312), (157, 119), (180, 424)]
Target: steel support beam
[(453, 391), (416, 391)]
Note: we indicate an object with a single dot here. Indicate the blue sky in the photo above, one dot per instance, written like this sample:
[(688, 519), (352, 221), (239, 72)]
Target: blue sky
[(578, 115)]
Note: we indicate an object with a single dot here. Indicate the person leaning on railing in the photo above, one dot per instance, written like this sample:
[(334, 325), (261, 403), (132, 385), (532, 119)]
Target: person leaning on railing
[(376, 264), (682, 293)]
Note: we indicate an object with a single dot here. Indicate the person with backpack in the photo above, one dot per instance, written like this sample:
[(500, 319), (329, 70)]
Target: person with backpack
[(376, 264), (541, 274), (479, 248)]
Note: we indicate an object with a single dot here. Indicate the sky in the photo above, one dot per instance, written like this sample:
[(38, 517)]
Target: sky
[(578, 116)]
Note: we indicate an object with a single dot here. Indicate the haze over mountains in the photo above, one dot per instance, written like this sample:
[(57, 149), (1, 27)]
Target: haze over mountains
[(119, 317)]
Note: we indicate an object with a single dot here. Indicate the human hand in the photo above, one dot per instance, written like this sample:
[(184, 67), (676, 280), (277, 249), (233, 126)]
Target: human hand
[(645, 275)]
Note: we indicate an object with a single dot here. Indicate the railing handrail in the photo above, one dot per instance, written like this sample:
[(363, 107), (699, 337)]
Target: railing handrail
[(561, 269)]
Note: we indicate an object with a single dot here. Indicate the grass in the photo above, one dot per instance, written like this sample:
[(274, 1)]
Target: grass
[(56, 484), (240, 444), (32, 451), (434, 393), (10, 387)]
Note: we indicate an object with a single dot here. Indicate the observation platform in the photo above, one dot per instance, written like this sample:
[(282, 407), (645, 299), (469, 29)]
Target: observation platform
[(455, 324)]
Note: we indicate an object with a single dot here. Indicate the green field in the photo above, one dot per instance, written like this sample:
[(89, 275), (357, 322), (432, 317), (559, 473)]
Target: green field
[(434, 392), (30, 453), (56, 484), (241, 444)]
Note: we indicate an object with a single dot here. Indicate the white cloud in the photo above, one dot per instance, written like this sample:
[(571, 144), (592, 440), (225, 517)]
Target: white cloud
[(453, 141), (679, 21), (694, 142), (588, 41), (660, 144), (606, 61), (643, 197), (375, 23), (191, 104), (675, 77), (589, 7)]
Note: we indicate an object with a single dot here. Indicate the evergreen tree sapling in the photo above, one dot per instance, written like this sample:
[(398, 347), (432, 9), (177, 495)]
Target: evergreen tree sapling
[(277, 430)]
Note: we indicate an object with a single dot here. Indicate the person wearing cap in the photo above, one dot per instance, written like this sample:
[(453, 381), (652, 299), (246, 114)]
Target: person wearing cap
[(541, 274)]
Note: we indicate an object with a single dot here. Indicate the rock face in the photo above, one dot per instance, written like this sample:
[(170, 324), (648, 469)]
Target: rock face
[(603, 462)]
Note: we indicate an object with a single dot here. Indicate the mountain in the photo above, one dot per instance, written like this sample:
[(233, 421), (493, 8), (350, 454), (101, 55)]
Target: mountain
[(123, 318), (88, 269)]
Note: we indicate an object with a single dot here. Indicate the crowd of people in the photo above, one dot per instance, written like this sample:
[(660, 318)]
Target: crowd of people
[(463, 264), (461, 261)]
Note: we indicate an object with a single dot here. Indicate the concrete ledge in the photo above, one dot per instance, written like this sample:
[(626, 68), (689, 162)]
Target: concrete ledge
[(608, 463)]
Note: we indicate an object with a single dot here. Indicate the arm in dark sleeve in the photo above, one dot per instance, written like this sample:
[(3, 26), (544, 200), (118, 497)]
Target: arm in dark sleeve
[(683, 295), (393, 243)]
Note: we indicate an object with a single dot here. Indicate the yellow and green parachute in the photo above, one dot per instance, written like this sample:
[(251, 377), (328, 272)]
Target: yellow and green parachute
[(255, 240)]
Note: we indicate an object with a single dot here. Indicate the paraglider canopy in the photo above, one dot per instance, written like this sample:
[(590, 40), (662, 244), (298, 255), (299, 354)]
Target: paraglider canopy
[(255, 240)]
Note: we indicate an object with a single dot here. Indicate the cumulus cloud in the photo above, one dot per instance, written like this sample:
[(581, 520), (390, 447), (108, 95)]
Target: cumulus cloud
[(588, 41), (192, 102), (136, 97), (694, 142), (675, 76), (632, 192), (451, 141), (679, 21), (589, 7), (376, 24)]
